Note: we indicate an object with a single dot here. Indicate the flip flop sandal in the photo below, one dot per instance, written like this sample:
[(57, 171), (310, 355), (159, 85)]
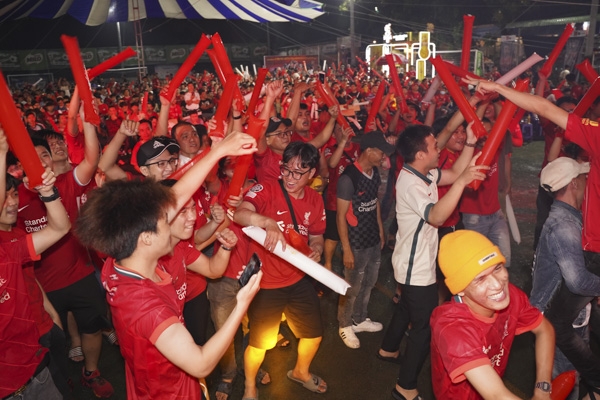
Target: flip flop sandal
[(282, 341), (225, 388), (261, 374), (592, 392), (111, 337), (75, 353), (312, 384)]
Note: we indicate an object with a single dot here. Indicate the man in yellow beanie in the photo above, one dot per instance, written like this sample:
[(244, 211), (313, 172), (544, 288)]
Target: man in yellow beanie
[(473, 333)]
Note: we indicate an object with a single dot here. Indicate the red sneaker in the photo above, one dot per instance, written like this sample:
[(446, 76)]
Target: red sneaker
[(101, 387)]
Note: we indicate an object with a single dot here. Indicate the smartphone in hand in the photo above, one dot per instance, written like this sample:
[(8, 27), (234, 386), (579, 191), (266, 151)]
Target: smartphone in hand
[(252, 268)]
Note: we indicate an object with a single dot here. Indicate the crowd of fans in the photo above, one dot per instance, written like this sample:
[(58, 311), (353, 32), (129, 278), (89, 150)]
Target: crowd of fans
[(328, 177)]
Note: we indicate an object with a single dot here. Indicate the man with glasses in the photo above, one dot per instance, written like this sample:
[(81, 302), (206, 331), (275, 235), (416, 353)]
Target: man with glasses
[(153, 161), (158, 158), (271, 147), (289, 291), (279, 133)]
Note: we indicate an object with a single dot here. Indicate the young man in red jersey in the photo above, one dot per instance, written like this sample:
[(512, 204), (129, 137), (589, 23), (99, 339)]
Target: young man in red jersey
[(471, 336), (265, 206), (24, 363), (161, 358)]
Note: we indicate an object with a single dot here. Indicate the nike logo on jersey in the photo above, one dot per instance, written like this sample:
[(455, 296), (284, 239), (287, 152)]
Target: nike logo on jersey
[(361, 193), (281, 212), (22, 208)]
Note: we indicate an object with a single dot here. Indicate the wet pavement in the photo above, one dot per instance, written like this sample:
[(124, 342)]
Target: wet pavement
[(358, 373)]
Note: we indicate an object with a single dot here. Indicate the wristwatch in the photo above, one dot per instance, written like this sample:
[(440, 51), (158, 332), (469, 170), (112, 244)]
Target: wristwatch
[(54, 196), (544, 386)]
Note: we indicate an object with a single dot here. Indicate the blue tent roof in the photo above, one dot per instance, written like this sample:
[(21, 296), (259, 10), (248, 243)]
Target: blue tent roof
[(96, 12)]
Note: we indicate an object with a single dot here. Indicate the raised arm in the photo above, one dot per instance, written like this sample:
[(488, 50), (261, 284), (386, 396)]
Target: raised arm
[(383, 108), (454, 122), (450, 175), (58, 219), (459, 176), (215, 266), (441, 210), (108, 160), (86, 170), (430, 115), (526, 101), (237, 122), (294, 109), (393, 126), (74, 104), (235, 144), (323, 137), (273, 92), (162, 125), (337, 154), (206, 231), (3, 152)]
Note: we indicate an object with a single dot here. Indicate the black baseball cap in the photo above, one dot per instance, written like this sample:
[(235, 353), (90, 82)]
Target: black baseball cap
[(154, 148), (374, 139), (274, 123)]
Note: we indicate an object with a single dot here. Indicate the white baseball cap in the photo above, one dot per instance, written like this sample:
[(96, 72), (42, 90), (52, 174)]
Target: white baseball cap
[(558, 173)]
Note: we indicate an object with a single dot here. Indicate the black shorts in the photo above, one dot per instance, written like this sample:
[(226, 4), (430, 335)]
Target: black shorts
[(331, 231), (300, 304), (85, 299)]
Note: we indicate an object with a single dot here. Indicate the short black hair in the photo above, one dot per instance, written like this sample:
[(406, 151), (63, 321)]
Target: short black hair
[(439, 124), (309, 155), (11, 182), (412, 140), (177, 125), (116, 214), (49, 134), (38, 141), (566, 99)]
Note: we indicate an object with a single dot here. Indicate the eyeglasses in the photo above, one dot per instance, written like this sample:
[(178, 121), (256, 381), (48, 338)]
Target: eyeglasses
[(285, 171), (173, 162), (281, 134)]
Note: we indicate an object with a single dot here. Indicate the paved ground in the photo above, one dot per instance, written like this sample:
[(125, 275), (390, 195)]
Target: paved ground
[(358, 374)]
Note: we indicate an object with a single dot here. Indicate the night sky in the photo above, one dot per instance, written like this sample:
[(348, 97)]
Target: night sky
[(403, 15)]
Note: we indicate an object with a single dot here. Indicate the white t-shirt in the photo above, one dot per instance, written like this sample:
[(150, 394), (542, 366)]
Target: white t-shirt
[(416, 241)]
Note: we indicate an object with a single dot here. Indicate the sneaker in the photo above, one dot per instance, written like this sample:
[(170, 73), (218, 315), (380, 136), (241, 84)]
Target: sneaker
[(349, 338), (101, 387), (367, 326)]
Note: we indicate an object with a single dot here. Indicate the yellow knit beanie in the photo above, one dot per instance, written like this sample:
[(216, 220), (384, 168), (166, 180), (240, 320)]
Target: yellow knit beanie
[(463, 255)]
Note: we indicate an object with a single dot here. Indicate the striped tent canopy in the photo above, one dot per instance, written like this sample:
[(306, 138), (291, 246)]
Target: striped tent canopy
[(96, 12)]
